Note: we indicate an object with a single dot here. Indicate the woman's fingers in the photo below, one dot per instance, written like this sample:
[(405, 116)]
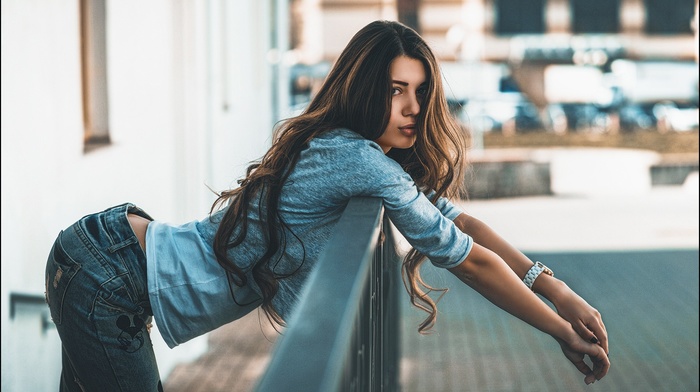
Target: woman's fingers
[(601, 334), (583, 368), (585, 333), (601, 365), (599, 359), (593, 332)]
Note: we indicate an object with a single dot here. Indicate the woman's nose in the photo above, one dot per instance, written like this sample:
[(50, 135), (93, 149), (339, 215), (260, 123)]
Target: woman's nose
[(412, 107)]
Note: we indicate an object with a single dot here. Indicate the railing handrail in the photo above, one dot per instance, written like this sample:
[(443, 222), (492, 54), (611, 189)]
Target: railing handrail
[(320, 347)]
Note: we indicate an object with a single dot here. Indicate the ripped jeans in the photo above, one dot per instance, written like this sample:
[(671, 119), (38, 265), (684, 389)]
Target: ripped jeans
[(97, 292)]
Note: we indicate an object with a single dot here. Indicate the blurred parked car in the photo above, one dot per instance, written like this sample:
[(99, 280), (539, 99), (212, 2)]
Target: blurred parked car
[(663, 116), (578, 117), (305, 80), (671, 116), (637, 117), (504, 112)]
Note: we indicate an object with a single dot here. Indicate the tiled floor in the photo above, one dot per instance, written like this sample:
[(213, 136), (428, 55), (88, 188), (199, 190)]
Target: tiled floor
[(649, 302), (237, 356)]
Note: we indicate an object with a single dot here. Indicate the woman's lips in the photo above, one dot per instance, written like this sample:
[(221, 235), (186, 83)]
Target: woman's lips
[(408, 130)]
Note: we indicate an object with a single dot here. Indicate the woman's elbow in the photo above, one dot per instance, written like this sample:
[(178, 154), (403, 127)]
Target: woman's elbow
[(469, 270)]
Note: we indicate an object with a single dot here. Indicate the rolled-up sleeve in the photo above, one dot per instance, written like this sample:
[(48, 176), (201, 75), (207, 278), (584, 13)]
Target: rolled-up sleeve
[(428, 228), (430, 232), (446, 207)]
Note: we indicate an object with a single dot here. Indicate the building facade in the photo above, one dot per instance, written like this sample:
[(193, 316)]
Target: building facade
[(553, 51), (105, 102), (492, 30)]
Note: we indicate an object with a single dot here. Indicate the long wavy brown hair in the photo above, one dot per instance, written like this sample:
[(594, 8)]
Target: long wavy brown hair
[(355, 95)]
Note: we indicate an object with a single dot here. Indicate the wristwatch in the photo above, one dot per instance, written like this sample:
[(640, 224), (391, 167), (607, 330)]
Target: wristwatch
[(534, 272)]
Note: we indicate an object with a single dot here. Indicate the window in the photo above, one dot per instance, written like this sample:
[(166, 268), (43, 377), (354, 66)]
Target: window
[(595, 16), (408, 13), (94, 73), (519, 17), (669, 16)]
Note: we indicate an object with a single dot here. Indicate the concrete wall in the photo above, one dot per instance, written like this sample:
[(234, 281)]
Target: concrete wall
[(490, 180), (499, 173), (673, 173), (190, 105)]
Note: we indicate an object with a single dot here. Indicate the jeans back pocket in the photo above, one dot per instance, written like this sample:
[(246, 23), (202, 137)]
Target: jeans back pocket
[(60, 271)]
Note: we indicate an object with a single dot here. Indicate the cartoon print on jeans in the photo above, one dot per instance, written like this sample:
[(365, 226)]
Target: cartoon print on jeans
[(131, 337)]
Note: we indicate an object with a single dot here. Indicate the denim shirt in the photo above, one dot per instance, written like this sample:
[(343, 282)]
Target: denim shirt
[(190, 293)]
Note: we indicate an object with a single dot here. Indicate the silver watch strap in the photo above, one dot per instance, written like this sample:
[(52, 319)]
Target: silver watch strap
[(533, 273)]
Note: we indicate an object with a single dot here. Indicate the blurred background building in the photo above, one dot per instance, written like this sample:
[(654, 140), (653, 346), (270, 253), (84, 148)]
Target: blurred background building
[(522, 65), (155, 102), (490, 30)]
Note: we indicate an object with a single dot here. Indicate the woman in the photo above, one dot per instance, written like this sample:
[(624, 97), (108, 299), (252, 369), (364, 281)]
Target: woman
[(379, 126)]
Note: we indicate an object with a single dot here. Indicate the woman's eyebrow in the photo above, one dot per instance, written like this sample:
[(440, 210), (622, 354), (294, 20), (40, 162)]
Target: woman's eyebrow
[(406, 83)]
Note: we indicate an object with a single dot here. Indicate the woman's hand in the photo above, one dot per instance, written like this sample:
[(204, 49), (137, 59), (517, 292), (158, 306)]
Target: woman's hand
[(585, 319), (575, 350)]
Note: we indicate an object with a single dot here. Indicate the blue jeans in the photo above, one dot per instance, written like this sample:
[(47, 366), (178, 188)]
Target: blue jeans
[(97, 292)]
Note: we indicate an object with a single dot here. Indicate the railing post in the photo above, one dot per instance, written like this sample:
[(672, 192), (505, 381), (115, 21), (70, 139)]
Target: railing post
[(391, 312), (344, 335)]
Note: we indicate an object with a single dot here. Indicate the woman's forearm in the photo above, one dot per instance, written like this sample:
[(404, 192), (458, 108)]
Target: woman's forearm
[(485, 236), (585, 319), (487, 273)]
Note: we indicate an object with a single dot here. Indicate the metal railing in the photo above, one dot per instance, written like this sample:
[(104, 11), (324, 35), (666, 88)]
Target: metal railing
[(345, 334)]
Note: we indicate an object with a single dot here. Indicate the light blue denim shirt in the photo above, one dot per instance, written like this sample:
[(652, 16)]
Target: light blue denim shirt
[(189, 291)]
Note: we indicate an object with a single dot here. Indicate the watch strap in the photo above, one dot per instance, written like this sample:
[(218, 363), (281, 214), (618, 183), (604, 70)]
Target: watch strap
[(534, 272)]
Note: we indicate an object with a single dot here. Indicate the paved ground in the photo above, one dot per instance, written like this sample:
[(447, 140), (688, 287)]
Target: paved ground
[(635, 258), (238, 354), (649, 301)]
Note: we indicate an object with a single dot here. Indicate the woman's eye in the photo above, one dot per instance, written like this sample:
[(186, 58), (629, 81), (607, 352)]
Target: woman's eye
[(395, 91)]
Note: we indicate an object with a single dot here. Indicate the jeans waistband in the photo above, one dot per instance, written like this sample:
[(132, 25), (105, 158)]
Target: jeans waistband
[(114, 223), (109, 232)]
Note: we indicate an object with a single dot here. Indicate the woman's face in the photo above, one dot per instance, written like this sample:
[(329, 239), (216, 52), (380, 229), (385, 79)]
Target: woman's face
[(408, 87)]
